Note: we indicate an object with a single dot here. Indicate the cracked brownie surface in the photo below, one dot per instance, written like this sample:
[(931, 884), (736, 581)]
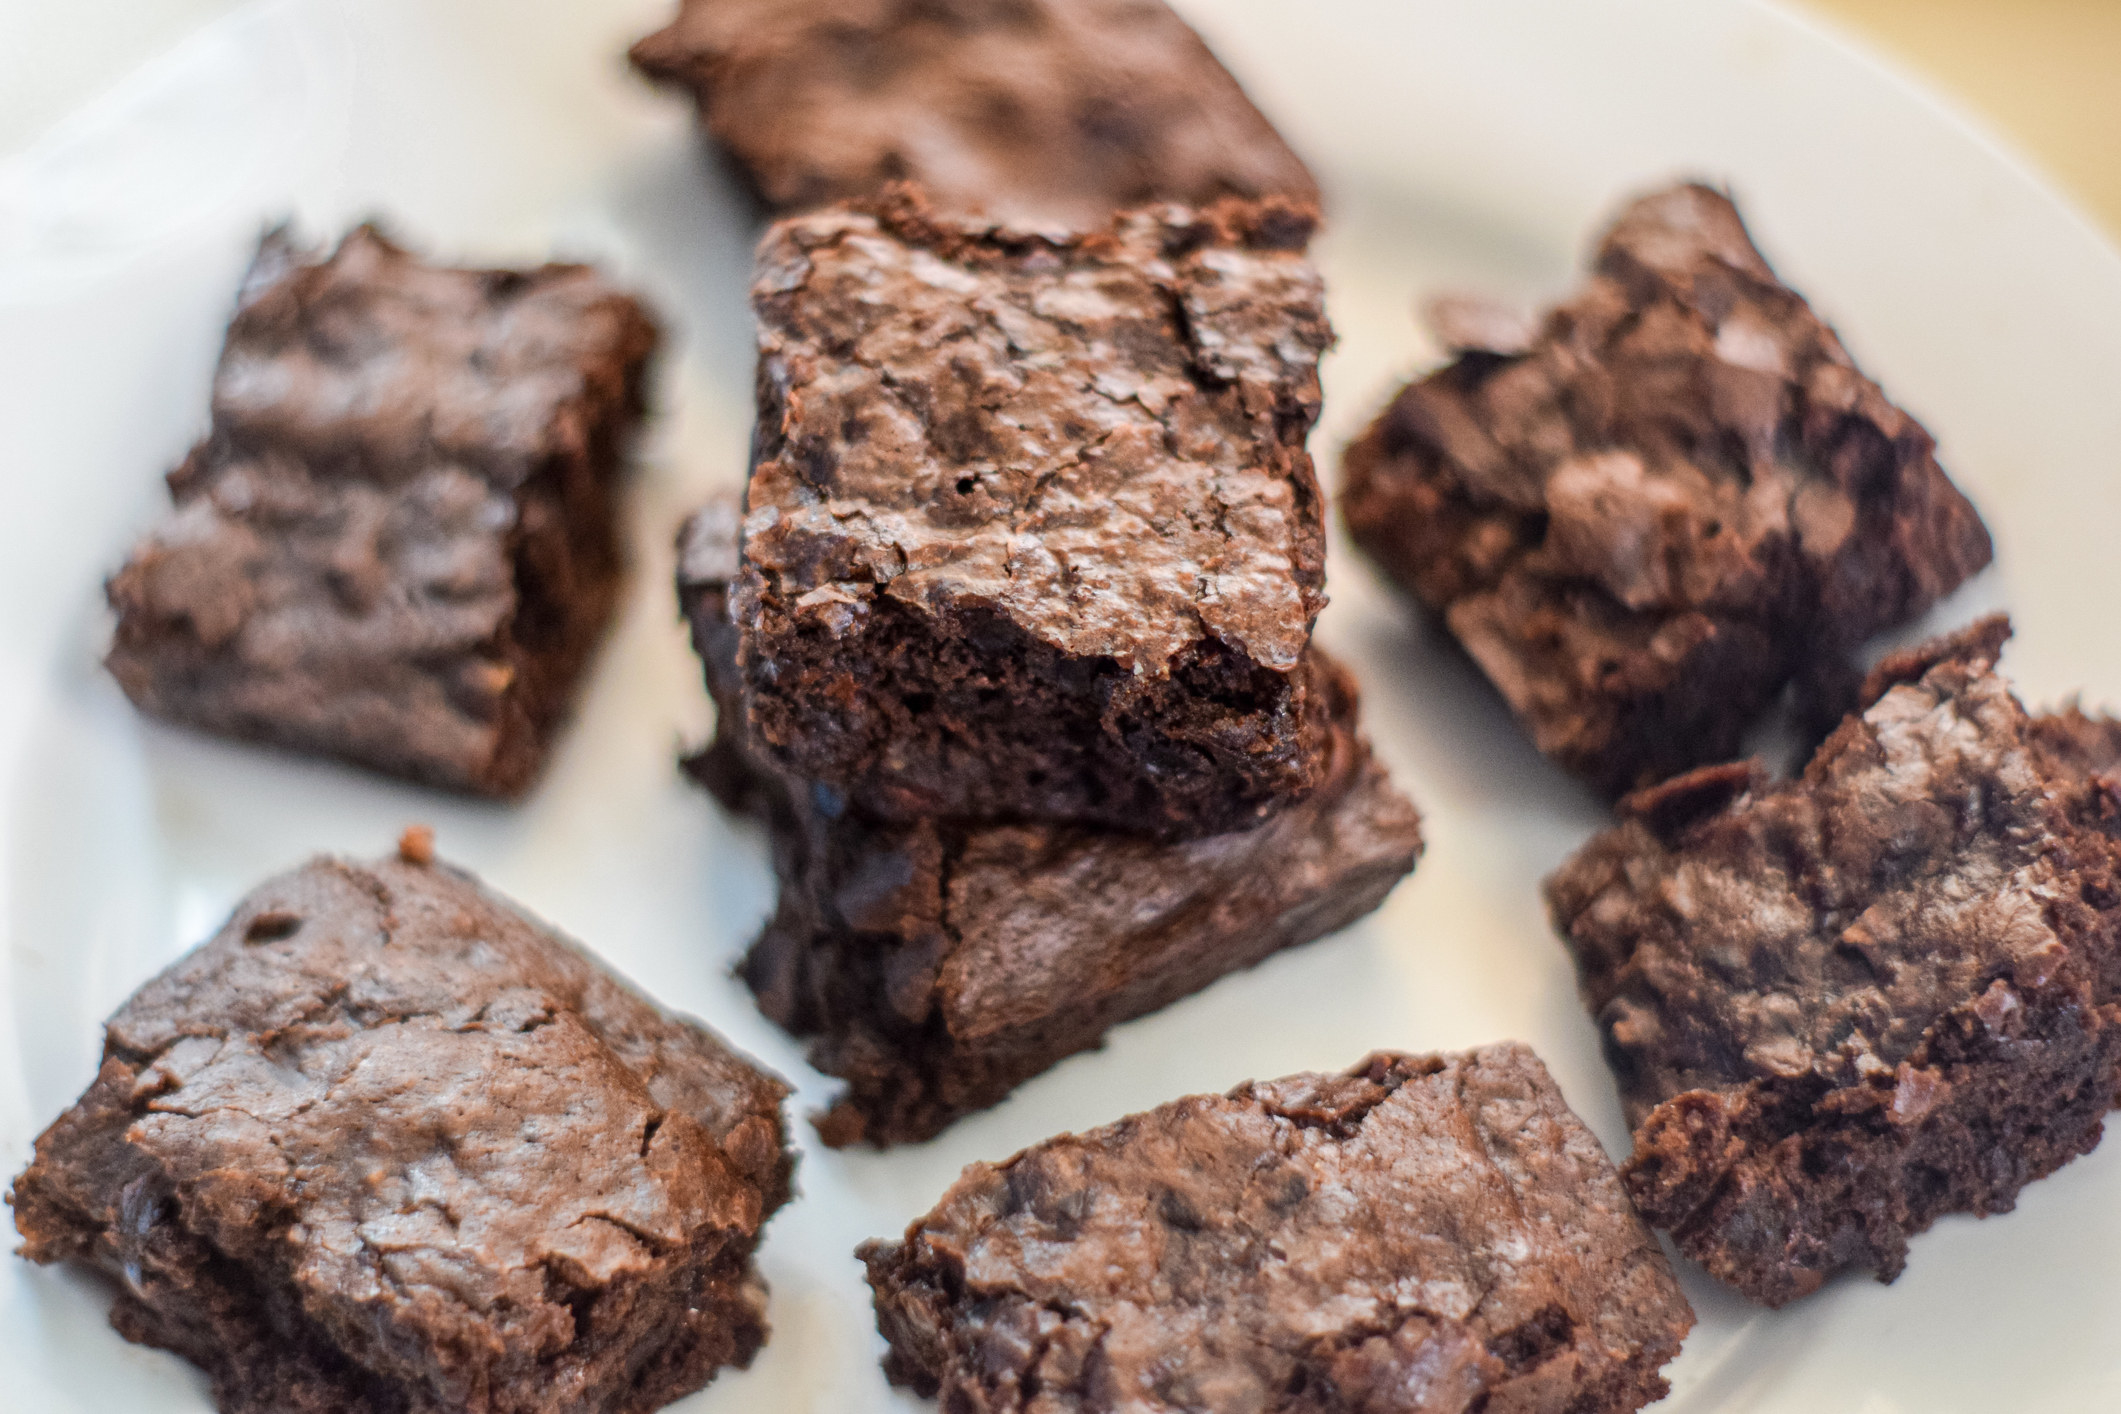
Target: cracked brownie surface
[(1647, 514), (398, 543), (1843, 1006), (1031, 528), (1047, 111), (385, 1143), (940, 964), (1429, 1234)]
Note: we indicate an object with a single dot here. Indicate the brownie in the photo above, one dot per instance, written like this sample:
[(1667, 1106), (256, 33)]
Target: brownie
[(1054, 112), (398, 543), (1842, 1006), (385, 1143), (1421, 1235), (1646, 516), (940, 964), (1032, 531)]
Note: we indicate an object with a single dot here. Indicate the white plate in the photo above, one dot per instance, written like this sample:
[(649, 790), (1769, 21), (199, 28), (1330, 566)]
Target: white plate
[(1475, 142)]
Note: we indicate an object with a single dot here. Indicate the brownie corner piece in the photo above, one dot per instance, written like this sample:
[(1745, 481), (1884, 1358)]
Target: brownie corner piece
[(398, 543), (385, 1142), (1031, 529), (1040, 111), (1197, 1256), (1646, 516), (1843, 1006)]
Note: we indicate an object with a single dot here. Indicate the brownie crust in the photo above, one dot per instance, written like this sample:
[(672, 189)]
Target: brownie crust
[(386, 1143), (1198, 1257), (1047, 112), (1648, 514), (1843, 1006), (1031, 528), (940, 964), (398, 544)]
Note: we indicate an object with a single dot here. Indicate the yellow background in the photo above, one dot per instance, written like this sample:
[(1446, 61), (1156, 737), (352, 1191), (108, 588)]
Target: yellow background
[(2046, 74)]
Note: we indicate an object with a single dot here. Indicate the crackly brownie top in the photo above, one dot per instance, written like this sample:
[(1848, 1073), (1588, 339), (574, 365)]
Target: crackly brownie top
[(1941, 850), (371, 362), (1056, 111), (401, 502), (1681, 454), (1419, 1229), (1101, 440), (440, 1116), (1685, 433)]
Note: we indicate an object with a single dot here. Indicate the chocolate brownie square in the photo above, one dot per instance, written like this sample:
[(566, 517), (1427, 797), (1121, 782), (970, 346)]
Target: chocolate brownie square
[(940, 964), (1031, 528), (398, 543), (386, 1143), (1843, 1006), (1040, 111), (1428, 1234), (1647, 515)]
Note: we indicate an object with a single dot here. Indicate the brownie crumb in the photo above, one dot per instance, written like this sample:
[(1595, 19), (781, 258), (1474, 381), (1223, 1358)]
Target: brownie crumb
[(417, 844)]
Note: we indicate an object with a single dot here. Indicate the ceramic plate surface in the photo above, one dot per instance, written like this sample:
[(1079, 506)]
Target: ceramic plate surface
[(1464, 143)]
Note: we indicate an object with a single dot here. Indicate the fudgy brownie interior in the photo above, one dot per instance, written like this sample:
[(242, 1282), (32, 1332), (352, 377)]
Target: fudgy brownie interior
[(1031, 529)]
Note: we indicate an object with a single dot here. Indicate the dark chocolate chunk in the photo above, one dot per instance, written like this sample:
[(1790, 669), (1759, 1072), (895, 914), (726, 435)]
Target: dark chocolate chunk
[(1676, 499), (1422, 1235), (398, 543), (1843, 1006), (386, 1143)]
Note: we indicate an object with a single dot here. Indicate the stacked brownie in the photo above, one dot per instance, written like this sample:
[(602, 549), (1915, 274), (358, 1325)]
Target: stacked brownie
[(1013, 645)]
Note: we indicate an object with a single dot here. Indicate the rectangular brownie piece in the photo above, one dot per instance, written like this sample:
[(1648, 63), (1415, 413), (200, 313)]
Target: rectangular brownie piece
[(1031, 528), (1428, 1234), (940, 964), (398, 544), (386, 1143), (1843, 1006), (1040, 111), (1647, 515)]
